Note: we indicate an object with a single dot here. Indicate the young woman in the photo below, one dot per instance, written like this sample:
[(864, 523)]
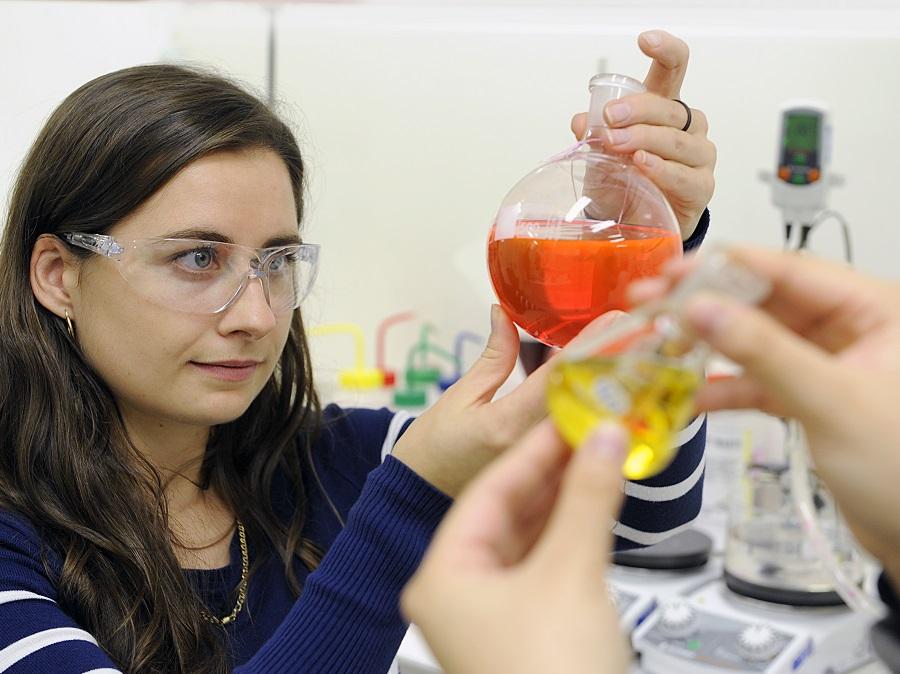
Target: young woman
[(169, 486)]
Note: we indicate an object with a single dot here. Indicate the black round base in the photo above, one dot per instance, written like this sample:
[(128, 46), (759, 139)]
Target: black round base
[(777, 595), (687, 550)]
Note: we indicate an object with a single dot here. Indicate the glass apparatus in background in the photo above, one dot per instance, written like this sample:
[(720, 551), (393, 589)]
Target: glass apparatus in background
[(787, 541), (570, 236), (643, 370)]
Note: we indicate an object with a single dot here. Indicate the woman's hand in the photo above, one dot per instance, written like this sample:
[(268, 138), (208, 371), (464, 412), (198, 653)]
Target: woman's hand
[(466, 429), (648, 127), (514, 580)]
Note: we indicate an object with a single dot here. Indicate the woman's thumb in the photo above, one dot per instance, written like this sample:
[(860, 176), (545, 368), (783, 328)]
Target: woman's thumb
[(496, 361)]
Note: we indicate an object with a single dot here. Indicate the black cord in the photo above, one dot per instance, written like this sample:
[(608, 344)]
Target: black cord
[(788, 227), (804, 236)]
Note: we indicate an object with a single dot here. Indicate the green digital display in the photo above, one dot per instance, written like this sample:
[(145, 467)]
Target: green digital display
[(802, 132)]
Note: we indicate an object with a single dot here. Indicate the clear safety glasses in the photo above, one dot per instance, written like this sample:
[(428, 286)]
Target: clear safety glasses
[(206, 277)]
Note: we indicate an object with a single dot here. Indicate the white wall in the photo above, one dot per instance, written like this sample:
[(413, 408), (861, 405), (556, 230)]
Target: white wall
[(417, 119), (48, 49)]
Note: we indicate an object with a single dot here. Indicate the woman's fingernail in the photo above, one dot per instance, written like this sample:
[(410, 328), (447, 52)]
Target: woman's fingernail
[(618, 136), (609, 441), (617, 112), (495, 317), (652, 37), (646, 158)]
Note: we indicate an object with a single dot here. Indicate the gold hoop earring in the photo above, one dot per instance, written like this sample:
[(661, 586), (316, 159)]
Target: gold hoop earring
[(69, 326)]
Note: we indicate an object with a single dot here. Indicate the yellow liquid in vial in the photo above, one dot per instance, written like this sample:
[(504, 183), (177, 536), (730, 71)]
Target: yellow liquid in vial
[(652, 399)]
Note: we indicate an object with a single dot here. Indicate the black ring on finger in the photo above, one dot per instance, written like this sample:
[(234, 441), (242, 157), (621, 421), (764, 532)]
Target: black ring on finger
[(687, 109)]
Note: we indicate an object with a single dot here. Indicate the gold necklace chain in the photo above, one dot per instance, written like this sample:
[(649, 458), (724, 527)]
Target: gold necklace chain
[(242, 586)]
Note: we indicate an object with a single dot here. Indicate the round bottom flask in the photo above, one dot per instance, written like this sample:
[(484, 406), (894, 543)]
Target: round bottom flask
[(572, 235)]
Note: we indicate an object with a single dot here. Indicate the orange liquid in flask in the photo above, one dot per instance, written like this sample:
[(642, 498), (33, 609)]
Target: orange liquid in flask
[(553, 287)]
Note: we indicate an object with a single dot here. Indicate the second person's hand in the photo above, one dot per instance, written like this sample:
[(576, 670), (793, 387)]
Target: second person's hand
[(823, 348), (513, 581)]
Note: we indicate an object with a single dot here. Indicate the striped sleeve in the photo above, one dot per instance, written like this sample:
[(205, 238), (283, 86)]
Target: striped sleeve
[(665, 504), (399, 423), (693, 243), (36, 635)]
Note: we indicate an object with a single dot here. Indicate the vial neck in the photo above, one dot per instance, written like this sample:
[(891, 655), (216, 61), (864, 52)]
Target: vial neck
[(604, 88), (676, 343)]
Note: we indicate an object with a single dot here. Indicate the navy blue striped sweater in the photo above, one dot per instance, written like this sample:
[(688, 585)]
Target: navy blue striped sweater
[(347, 618)]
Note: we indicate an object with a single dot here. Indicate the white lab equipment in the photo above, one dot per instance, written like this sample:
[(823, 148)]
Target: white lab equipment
[(803, 175), (715, 631)]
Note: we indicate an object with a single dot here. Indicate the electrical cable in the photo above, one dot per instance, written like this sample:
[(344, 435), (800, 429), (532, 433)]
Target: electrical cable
[(788, 228), (845, 229), (808, 229)]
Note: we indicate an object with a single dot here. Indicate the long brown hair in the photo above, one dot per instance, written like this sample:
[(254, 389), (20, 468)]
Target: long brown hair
[(67, 463)]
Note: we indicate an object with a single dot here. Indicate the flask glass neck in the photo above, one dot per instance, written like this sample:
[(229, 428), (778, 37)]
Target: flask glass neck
[(604, 88)]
